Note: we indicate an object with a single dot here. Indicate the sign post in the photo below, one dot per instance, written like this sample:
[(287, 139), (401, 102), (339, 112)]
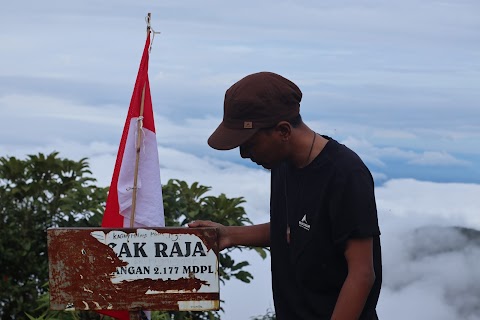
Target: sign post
[(133, 269)]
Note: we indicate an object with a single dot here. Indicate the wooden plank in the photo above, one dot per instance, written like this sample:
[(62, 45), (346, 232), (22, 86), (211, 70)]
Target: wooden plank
[(133, 269)]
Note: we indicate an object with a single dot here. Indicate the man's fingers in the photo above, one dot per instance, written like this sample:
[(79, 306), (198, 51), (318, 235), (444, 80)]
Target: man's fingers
[(201, 223)]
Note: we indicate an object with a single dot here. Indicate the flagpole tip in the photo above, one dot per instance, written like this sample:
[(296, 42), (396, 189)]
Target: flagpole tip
[(147, 19)]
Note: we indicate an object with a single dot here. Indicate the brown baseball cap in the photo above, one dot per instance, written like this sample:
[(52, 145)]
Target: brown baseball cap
[(260, 100)]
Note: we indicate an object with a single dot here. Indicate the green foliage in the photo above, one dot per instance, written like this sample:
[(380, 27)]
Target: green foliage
[(36, 194), (270, 315), (46, 191)]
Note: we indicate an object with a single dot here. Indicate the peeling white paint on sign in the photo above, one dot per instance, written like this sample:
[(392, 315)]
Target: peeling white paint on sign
[(154, 255)]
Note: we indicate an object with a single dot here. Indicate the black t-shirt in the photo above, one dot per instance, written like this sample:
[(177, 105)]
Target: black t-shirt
[(326, 203)]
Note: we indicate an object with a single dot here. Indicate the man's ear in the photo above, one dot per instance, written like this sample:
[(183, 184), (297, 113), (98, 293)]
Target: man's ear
[(285, 130)]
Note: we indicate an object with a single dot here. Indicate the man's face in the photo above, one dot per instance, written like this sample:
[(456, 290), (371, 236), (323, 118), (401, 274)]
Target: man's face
[(264, 148)]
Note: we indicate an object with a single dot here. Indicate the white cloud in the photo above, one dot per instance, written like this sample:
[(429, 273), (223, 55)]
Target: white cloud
[(378, 155), (41, 108), (429, 268), (431, 203), (437, 158), (430, 273), (379, 177)]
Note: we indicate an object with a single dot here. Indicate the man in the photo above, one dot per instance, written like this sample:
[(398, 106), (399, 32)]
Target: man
[(323, 230)]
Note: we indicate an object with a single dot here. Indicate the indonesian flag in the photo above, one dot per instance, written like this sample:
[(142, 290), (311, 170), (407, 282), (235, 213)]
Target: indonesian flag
[(149, 201)]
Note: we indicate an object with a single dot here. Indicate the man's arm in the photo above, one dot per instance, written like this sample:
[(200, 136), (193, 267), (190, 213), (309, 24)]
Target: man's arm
[(359, 281), (230, 236)]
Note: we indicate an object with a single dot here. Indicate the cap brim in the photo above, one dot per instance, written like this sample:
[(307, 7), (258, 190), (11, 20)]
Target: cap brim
[(224, 138)]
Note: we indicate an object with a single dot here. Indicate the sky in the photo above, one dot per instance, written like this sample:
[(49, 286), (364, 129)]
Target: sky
[(396, 81)]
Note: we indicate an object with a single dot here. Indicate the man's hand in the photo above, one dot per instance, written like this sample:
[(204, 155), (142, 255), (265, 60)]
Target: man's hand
[(224, 240)]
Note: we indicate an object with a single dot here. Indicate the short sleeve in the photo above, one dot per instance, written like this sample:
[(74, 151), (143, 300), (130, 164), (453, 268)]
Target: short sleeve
[(354, 212)]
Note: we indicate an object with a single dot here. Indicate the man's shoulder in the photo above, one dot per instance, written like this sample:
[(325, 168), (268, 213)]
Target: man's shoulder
[(342, 157)]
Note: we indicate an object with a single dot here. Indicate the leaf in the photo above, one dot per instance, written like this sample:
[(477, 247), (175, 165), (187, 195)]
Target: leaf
[(240, 265), (262, 252), (243, 276)]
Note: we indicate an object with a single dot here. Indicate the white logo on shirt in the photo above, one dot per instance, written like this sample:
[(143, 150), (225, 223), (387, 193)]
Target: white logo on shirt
[(303, 223)]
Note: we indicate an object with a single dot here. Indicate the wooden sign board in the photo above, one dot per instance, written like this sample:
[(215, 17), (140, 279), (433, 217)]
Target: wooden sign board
[(133, 269)]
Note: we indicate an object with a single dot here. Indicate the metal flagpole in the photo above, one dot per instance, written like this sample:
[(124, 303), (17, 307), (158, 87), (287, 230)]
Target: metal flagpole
[(136, 315)]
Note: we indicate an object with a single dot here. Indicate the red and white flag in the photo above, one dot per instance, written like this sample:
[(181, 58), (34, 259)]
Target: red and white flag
[(149, 201)]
